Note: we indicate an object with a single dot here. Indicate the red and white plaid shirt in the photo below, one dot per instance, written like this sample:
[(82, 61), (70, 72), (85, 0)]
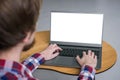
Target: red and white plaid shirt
[(11, 70)]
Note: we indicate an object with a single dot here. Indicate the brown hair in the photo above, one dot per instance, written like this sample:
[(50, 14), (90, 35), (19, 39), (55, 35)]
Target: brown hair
[(16, 19)]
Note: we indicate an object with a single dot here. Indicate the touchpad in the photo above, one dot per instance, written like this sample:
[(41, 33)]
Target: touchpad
[(63, 61)]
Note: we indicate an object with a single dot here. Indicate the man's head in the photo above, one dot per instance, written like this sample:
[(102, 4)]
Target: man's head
[(17, 21)]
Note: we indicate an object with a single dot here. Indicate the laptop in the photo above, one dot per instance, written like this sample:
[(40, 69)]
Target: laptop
[(75, 33)]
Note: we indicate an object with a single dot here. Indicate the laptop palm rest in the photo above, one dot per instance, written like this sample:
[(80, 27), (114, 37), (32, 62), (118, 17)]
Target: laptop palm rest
[(63, 61)]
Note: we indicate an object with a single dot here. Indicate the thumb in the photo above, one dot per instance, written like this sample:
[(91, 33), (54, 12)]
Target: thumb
[(55, 54), (78, 59)]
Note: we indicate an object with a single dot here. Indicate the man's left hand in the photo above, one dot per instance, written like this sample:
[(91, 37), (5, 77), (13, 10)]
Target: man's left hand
[(51, 52)]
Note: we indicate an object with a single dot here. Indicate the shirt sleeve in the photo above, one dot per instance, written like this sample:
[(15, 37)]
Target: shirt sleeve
[(33, 61), (87, 73)]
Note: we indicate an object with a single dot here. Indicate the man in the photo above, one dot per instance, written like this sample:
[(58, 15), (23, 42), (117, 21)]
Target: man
[(17, 28)]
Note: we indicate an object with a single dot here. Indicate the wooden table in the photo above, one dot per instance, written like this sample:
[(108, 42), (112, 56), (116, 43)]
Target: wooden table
[(109, 55)]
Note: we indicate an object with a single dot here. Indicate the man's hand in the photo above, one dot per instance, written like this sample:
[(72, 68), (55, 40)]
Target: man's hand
[(51, 52), (88, 59)]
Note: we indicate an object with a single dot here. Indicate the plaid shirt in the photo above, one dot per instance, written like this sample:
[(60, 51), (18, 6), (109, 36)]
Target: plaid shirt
[(17, 71)]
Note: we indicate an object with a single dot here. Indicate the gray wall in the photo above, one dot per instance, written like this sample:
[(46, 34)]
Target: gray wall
[(111, 10)]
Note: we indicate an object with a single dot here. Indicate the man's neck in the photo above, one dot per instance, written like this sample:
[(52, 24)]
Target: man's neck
[(12, 54)]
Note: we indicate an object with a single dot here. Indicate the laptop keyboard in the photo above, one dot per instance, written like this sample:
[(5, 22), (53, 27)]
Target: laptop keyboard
[(72, 52)]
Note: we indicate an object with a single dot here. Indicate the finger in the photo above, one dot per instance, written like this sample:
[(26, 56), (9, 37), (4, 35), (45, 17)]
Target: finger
[(55, 54), (89, 52), (58, 48), (84, 53), (51, 45), (55, 49), (95, 58), (54, 45), (78, 59), (92, 54)]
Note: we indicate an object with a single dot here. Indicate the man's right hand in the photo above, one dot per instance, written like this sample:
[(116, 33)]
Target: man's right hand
[(89, 59)]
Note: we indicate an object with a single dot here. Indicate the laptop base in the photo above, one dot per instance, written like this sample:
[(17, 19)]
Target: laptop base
[(66, 62)]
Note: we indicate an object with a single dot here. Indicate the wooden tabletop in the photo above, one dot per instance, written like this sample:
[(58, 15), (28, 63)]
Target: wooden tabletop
[(109, 55)]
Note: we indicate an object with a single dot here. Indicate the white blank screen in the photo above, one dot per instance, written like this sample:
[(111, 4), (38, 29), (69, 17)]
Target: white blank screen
[(76, 27)]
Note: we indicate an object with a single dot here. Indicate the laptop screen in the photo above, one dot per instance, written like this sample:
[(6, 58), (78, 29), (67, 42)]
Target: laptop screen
[(76, 27)]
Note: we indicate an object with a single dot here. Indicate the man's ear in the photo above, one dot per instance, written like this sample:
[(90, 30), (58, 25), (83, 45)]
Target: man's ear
[(26, 39)]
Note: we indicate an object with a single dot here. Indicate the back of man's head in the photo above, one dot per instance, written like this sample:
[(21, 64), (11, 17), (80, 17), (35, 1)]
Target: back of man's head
[(17, 17)]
